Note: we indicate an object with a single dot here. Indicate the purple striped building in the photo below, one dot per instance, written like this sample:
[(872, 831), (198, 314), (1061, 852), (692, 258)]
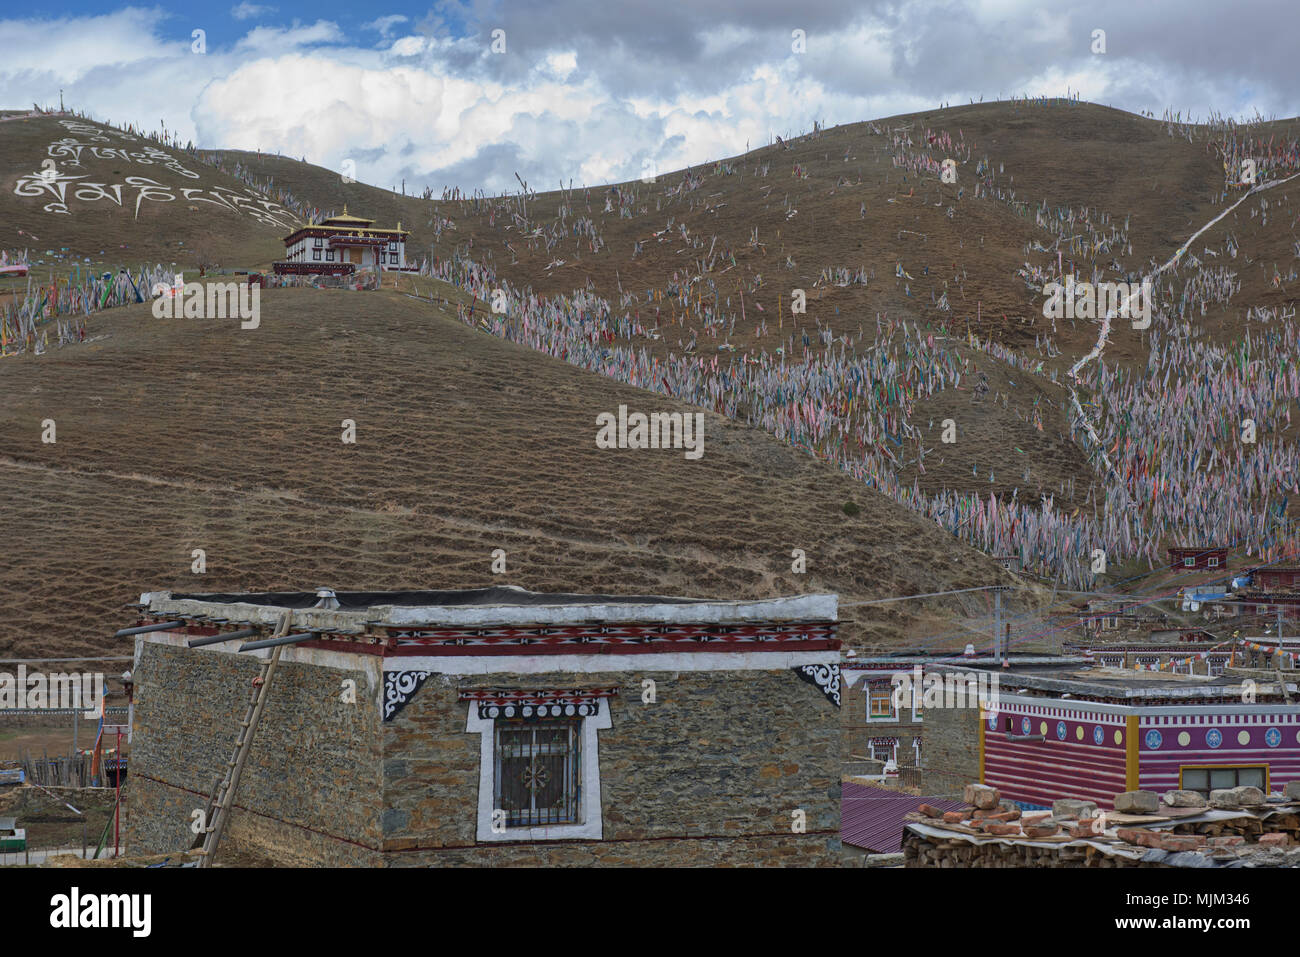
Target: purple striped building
[(1045, 744)]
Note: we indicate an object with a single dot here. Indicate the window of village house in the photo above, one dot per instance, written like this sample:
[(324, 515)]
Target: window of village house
[(315, 254), (319, 241), (1214, 561), (883, 749), (1189, 562), (539, 772), (539, 763), (329, 254), (880, 700), (1206, 780)]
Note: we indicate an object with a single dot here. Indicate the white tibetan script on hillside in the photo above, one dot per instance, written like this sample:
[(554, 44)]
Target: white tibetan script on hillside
[(59, 187)]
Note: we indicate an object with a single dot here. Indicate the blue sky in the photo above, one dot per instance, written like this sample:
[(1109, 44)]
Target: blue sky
[(602, 91)]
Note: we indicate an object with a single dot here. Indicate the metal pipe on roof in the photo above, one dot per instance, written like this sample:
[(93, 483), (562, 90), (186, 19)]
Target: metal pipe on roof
[(272, 642), (218, 639), (158, 626)]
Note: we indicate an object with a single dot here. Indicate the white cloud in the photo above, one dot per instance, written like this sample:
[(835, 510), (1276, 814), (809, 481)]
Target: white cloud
[(270, 41), (41, 53), (246, 11), (384, 25), (407, 46)]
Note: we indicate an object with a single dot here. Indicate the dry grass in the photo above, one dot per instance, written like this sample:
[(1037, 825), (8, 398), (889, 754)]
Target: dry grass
[(183, 434)]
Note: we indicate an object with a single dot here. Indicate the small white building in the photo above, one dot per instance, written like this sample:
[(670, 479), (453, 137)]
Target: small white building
[(340, 245)]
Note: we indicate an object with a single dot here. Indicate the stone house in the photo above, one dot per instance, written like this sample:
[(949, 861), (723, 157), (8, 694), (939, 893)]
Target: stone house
[(495, 727)]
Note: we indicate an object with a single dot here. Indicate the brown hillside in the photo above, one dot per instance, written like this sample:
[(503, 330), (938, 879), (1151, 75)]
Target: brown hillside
[(184, 434), (117, 199)]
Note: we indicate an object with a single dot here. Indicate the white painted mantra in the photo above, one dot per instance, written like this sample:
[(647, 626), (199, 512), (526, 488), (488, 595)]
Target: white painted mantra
[(58, 187), (76, 910), (659, 430), (1104, 336)]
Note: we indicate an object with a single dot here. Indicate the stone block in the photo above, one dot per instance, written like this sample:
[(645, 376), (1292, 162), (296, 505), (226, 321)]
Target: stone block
[(1072, 809), (981, 796), (1137, 802)]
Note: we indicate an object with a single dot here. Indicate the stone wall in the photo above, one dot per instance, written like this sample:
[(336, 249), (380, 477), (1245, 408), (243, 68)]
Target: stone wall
[(707, 774), (951, 749), (859, 731), (310, 792)]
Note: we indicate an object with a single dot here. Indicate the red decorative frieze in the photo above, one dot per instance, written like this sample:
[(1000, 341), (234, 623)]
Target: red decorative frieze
[(613, 639)]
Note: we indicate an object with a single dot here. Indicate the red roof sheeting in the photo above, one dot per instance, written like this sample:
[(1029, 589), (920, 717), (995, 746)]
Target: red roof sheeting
[(872, 818)]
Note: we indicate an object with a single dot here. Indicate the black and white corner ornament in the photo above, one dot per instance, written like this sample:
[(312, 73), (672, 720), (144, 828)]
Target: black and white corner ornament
[(825, 677), (399, 687)]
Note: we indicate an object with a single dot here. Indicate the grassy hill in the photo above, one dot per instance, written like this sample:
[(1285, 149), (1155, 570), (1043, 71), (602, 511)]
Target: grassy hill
[(182, 434), (697, 266)]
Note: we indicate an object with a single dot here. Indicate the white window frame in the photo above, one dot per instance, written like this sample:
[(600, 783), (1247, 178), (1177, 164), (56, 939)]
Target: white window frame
[(592, 825), (893, 751), (891, 718)]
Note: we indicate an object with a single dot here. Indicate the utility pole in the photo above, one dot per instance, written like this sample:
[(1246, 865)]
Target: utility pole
[(999, 651), (1281, 678)]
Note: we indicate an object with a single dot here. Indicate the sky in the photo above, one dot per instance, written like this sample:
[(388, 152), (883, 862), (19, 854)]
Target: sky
[(470, 93)]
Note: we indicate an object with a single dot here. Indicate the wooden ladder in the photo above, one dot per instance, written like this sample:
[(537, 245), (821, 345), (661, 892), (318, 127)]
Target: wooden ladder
[(222, 801)]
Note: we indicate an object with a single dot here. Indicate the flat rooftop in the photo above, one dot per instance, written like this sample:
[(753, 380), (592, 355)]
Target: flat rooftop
[(450, 598), (355, 612)]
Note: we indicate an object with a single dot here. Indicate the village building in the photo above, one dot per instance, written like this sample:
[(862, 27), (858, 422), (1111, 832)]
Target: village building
[(1180, 651), (1092, 735), (1277, 579), (494, 726), (340, 245), (1099, 616), (1269, 592), (1197, 558), (885, 719)]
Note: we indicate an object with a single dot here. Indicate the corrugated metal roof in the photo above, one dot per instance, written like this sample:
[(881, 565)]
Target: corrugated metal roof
[(872, 818)]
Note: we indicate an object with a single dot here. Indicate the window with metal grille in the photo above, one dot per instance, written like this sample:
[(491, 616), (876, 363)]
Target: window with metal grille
[(538, 772), (883, 749)]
